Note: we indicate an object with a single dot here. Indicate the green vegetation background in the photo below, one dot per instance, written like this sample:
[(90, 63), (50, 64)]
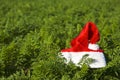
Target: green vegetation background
[(32, 33)]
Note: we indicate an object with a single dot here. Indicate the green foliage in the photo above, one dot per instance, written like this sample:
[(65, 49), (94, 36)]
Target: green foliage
[(85, 60), (32, 33)]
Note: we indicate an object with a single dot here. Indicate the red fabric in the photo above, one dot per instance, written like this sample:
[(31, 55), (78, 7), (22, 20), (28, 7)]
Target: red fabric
[(89, 34)]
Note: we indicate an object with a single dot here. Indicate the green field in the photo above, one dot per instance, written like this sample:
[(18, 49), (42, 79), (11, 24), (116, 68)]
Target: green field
[(32, 33)]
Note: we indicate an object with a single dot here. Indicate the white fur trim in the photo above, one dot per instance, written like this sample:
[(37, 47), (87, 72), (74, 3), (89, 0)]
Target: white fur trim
[(76, 57), (93, 46)]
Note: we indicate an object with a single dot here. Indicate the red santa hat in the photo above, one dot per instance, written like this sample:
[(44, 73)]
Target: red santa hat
[(86, 44)]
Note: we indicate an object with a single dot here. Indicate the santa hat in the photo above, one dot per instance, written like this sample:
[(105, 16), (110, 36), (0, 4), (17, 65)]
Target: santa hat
[(85, 46)]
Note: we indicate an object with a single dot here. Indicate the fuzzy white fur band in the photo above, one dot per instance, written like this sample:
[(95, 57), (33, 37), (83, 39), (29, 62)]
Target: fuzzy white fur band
[(76, 57)]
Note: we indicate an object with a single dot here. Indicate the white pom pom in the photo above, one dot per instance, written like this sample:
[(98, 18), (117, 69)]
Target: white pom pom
[(93, 46)]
